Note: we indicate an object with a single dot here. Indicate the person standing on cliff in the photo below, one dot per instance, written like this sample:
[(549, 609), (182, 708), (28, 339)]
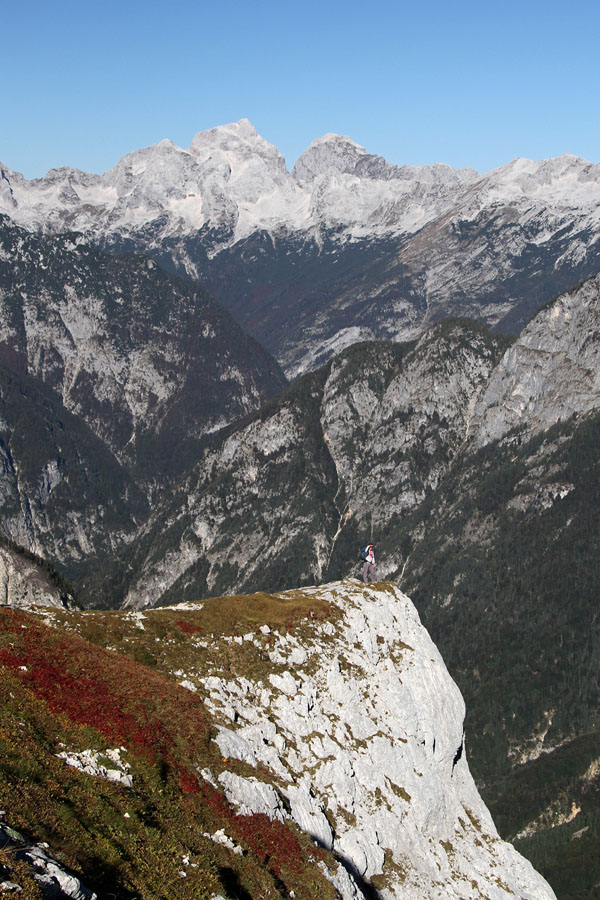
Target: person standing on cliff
[(369, 565)]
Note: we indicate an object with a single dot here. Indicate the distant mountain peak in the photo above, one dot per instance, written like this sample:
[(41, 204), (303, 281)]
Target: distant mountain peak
[(333, 138), (331, 152), (234, 138)]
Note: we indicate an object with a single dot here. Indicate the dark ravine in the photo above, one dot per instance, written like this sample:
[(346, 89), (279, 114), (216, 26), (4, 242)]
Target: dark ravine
[(148, 360)]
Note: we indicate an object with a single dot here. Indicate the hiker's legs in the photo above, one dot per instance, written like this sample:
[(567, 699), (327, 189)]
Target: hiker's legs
[(366, 572), (371, 572)]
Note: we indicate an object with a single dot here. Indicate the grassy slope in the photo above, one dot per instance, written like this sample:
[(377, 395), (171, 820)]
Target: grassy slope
[(58, 688)]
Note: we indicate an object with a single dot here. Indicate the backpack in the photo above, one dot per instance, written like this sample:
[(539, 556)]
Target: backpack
[(364, 552)]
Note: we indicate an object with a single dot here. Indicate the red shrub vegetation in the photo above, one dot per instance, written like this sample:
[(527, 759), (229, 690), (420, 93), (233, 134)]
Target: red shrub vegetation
[(274, 843), (123, 700), (187, 627)]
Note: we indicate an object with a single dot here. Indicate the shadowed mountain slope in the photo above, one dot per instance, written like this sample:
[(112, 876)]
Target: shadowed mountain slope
[(63, 494), (149, 361)]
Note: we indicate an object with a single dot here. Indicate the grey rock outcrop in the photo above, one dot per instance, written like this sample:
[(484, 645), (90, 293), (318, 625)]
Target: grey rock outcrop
[(23, 584), (551, 372), (50, 876), (365, 738)]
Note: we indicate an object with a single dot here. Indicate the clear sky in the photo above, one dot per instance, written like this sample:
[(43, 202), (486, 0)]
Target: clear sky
[(456, 81)]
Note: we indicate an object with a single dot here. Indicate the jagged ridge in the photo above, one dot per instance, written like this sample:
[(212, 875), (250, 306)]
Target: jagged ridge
[(346, 244)]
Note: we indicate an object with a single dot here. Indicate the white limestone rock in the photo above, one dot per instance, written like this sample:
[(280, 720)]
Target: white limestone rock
[(250, 796), (219, 837), (368, 750), (307, 812), (51, 876), (235, 746), (88, 761)]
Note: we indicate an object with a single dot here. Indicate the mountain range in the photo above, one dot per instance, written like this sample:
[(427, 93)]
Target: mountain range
[(153, 453), (345, 247)]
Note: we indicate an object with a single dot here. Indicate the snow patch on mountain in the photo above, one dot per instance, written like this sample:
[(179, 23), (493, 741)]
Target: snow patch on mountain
[(233, 181), (231, 178)]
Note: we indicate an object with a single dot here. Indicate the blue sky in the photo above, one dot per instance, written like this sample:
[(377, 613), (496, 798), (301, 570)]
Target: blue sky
[(465, 83)]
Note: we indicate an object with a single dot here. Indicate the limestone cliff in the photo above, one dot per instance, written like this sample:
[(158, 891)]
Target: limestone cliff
[(304, 744), (551, 371), (24, 585), (361, 727)]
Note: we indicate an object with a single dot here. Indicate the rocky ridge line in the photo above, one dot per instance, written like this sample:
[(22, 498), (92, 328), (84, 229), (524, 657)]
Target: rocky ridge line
[(346, 246)]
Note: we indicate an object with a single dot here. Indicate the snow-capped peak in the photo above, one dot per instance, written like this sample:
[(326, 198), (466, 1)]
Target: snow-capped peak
[(237, 139), (563, 181), (233, 182), (330, 152)]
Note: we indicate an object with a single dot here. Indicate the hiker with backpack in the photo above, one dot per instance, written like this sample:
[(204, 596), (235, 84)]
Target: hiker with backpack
[(368, 555)]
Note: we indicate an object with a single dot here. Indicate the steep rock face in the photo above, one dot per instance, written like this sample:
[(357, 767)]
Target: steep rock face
[(393, 442), (24, 585), (551, 371), (258, 501), (265, 725), (366, 195), (289, 495), (63, 494), (148, 361), (362, 727), (344, 247)]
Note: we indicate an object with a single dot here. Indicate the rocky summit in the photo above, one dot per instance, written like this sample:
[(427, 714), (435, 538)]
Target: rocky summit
[(343, 247), (307, 744)]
